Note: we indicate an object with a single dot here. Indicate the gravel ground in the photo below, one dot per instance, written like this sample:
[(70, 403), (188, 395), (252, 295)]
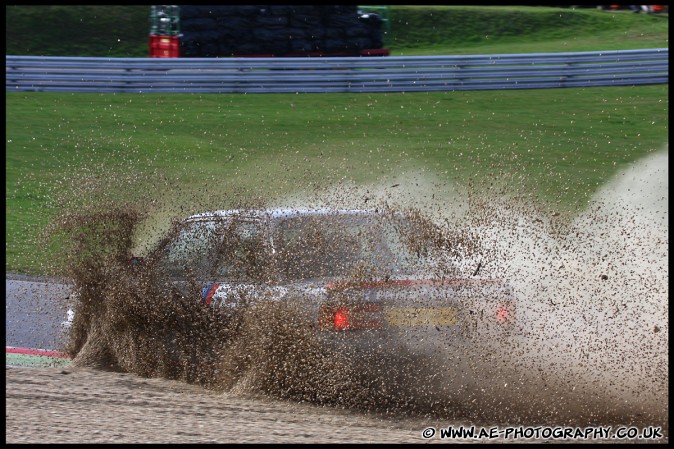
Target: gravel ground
[(82, 405)]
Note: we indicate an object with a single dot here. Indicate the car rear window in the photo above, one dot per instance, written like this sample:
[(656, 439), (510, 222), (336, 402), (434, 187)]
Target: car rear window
[(329, 245)]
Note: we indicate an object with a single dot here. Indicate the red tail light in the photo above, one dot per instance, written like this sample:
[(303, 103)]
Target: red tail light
[(504, 313), (367, 316), (341, 319)]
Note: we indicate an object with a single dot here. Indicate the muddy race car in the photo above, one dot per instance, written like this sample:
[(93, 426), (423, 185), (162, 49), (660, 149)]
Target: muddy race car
[(369, 280)]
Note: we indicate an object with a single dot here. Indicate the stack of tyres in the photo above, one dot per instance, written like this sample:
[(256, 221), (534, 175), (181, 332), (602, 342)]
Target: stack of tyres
[(276, 30)]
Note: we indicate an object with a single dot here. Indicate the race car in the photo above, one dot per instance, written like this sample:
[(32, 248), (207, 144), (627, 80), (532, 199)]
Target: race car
[(369, 280)]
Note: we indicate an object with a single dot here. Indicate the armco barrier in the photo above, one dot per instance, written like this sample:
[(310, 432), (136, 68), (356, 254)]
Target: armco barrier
[(341, 74)]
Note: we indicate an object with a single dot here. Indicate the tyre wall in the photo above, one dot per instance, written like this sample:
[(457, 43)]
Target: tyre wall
[(278, 30)]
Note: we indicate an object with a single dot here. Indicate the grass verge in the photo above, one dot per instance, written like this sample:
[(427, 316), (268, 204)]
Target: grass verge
[(554, 146)]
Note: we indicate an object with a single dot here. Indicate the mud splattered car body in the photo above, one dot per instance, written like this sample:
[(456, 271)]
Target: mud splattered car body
[(368, 280)]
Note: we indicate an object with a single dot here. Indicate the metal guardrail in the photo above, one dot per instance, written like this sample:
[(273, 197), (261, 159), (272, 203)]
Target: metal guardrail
[(337, 74)]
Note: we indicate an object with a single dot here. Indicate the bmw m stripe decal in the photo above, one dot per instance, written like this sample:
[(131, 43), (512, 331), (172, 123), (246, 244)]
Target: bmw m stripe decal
[(208, 291)]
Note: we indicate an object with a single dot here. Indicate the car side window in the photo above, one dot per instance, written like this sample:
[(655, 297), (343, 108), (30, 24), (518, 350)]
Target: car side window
[(191, 251), (242, 252), (220, 249)]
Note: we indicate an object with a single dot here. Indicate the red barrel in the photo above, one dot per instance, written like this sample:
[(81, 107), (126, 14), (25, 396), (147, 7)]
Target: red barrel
[(164, 46)]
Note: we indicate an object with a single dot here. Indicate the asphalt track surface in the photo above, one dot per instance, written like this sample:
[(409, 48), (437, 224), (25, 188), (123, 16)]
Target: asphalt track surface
[(34, 311)]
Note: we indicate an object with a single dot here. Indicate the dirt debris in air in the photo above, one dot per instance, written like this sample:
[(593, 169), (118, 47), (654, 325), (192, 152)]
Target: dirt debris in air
[(591, 346)]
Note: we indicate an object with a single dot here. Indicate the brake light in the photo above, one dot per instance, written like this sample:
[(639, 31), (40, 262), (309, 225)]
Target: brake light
[(367, 316), (503, 313), (341, 319)]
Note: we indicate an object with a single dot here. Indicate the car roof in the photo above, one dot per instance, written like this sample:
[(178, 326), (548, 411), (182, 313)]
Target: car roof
[(276, 213)]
